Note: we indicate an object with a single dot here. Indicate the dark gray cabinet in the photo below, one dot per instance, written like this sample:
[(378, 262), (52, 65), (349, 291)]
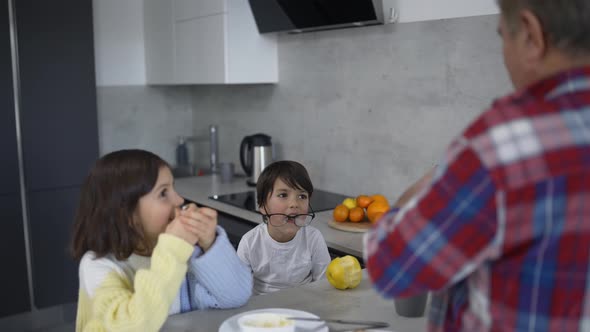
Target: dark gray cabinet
[(14, 287), (58, 93), (9, 167), (51, 215), (59, 135), (14, 280)]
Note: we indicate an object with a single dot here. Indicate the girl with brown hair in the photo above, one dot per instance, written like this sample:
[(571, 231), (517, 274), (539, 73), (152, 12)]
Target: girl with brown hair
[(141, 256)]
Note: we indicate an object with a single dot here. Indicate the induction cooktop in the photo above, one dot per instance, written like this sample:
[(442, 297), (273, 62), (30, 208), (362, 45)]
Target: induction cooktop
[(320, 200)]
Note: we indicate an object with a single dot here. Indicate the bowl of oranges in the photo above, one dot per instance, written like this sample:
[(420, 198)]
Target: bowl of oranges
[(357, 214)]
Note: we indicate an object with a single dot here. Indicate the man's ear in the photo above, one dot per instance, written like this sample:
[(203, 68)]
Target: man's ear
[(531, 37)]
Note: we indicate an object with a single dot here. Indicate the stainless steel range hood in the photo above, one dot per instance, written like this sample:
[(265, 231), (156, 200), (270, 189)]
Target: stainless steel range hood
[(313, 15)]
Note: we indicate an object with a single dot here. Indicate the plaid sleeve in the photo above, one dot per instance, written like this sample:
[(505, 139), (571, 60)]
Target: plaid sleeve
[(441, 235)]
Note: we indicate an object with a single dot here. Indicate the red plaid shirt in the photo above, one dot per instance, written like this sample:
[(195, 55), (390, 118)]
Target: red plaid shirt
[(502, 234)]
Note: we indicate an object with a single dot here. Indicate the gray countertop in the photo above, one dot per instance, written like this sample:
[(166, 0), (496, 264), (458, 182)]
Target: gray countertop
[(319, 298), (199, 189)]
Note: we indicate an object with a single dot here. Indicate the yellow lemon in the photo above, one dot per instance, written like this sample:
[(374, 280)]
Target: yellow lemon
[(344, 272), (349, 202)]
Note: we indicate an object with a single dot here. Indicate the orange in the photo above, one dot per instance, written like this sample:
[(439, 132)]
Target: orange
[(356, 214), (379, 197), (363, 201), (377, 216), (340, 213), (375, 208)]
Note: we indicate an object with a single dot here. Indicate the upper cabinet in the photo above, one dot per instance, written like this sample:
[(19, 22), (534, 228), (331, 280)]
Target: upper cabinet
[(426, 10), (206, 42), (189, 9)]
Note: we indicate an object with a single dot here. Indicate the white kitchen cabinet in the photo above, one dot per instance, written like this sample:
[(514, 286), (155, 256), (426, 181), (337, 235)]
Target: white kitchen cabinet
[(188, 9), (206, 42), (205, 58)]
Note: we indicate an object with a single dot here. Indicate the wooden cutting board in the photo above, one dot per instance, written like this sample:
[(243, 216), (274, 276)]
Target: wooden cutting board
[(347, 226)]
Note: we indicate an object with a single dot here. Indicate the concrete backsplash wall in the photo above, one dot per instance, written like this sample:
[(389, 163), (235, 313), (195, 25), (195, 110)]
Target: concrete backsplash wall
[(149, 118), (365, 110)]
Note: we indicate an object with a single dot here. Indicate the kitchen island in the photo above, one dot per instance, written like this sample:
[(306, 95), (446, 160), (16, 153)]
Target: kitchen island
[(318, 298), (236, 220)]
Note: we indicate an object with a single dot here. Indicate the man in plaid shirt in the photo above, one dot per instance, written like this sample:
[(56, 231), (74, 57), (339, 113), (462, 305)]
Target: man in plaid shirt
[(500, 231)]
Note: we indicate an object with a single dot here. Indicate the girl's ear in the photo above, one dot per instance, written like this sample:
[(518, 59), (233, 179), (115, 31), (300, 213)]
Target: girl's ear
[(140, 241), (135, 224), (134, 219)]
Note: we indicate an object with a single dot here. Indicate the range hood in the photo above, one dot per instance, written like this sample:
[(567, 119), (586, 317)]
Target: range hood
[(313, 15)]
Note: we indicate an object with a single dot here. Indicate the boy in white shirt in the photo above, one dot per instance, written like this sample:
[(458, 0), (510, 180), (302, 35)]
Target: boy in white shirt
[(284, 251)]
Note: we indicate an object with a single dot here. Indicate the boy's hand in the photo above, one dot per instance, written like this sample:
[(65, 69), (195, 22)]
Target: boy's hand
[(202, 222)]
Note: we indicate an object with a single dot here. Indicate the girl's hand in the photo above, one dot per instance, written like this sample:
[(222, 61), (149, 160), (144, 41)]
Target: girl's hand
[(202, 222), (176, 227)]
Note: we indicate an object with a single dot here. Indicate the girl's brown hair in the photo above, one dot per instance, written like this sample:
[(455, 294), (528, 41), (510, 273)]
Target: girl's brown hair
[(104, 221)]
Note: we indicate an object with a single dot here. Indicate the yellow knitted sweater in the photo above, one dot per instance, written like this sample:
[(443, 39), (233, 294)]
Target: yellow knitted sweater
[(124, 300)]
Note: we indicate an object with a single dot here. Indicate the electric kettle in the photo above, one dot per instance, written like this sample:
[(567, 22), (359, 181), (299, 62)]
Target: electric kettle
[(255, 155)]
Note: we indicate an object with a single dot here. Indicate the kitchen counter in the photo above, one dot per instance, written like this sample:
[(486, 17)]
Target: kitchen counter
[(319, 298), (198, 189)]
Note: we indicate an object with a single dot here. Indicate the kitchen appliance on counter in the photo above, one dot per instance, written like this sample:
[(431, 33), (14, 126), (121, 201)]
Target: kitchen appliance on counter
[(184, 167), (320, 200), (255, 155)]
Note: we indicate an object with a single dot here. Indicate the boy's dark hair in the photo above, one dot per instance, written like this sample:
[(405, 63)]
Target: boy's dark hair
[(109, 197), (291, 172)]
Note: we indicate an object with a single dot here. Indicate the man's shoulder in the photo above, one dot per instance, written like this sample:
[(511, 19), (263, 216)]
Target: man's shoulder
[(521, 106), (500, 112)]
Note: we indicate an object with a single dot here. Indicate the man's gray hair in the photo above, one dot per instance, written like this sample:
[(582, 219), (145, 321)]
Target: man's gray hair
[(565, 22)]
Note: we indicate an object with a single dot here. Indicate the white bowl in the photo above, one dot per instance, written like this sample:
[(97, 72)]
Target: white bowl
[(266, 322)]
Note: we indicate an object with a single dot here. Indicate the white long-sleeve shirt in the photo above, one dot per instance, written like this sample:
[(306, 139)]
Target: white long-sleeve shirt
[(277, 265)]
